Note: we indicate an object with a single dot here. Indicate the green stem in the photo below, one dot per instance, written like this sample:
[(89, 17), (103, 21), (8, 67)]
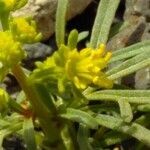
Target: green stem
[(5, 21), (47, 121), (21, 78)]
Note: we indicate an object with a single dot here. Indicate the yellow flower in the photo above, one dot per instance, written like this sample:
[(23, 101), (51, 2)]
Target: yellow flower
[(3, 100), (10, 52), (24, 30), (11, 5), (85, 67)]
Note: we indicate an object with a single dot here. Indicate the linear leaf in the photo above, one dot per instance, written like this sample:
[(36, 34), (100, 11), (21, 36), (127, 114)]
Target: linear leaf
[(44, 96), (67, 137), (129, 63), (60, 21), (133, 96), (72, 39), (102, 8), (113, 137), (125, 110), (107, 21), (135, 130), (130, 51), (29, 136), (130, 69), (83, 35), (144, 107), (81, 117), (130, 54), (82, 138), (126, 93)]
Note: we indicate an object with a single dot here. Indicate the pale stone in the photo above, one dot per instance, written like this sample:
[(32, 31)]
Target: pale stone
[(142, 79), (140, 8), (44, 13)]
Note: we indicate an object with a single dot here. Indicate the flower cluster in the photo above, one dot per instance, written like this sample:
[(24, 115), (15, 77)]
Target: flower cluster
[(24, 30), (82, 67), (17, 31), (85, 67), (11, 5), (10, 52)]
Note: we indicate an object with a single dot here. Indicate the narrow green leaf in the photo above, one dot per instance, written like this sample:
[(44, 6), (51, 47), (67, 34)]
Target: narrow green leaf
[(29, 135), (60, 21), (112, 138), (106, 24), (125, 110), (61, 85), (88, 90), (102, 8), (126, 93), (83, 35), (114, 98), (103, 108), (130, 62), (83, 138), (80, 117), (44, 96), (66, 137), (73, 39), (144, 108), (79, 98), (135, 130), (130, 69), (133, 96), (135, 47), (130, 54), (105, 14), (144, 120)]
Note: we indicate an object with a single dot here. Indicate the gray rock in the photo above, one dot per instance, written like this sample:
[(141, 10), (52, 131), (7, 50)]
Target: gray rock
[(44, 13), (137, 7), (142, 79), (37, 50), (137, 14), (140, 8), (130, 34), (146, 34)]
